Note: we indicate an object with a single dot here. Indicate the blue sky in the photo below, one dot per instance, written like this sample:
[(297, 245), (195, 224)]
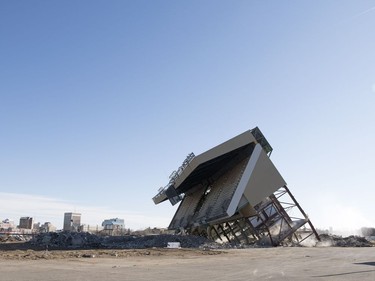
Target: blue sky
[(101, 100)]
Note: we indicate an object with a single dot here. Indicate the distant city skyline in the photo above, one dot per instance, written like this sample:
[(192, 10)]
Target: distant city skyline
[(52, 210), (101, 101)]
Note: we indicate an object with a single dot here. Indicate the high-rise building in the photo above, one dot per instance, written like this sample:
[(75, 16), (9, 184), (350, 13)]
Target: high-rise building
[(26, 223), (72, 221), (47, 227)]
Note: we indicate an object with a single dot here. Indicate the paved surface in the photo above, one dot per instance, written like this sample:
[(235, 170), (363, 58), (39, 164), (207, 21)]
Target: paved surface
[(247, 264)]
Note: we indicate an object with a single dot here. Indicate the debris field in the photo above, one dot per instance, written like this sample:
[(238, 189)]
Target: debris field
[(85, 240)]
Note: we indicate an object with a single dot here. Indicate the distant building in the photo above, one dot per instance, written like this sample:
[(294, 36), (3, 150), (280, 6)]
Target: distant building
[(7, 225), (72, 221), (91, 228), (36, 225), (26, 223), (114, 226), (47, 227)]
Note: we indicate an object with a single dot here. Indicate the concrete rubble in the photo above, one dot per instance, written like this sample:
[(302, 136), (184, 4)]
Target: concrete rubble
[(85, 240), (338, 241), (158, 241), (14, 238), (67, 240)]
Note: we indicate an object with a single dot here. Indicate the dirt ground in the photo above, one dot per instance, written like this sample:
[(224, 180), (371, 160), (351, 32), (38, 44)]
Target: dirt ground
[(281, 263)]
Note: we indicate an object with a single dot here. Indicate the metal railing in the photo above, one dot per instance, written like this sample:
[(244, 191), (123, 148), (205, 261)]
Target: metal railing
[(176, 174)]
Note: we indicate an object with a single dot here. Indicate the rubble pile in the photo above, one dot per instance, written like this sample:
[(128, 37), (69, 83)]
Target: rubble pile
[(67, 240), (13, 238), (86, 240), (158, 241), (350, 241)]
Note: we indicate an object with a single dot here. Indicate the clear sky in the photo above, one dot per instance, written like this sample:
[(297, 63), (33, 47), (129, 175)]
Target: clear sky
[(101, 100)]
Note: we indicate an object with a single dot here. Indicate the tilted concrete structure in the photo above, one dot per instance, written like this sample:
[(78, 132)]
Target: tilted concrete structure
[(233, 192)]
